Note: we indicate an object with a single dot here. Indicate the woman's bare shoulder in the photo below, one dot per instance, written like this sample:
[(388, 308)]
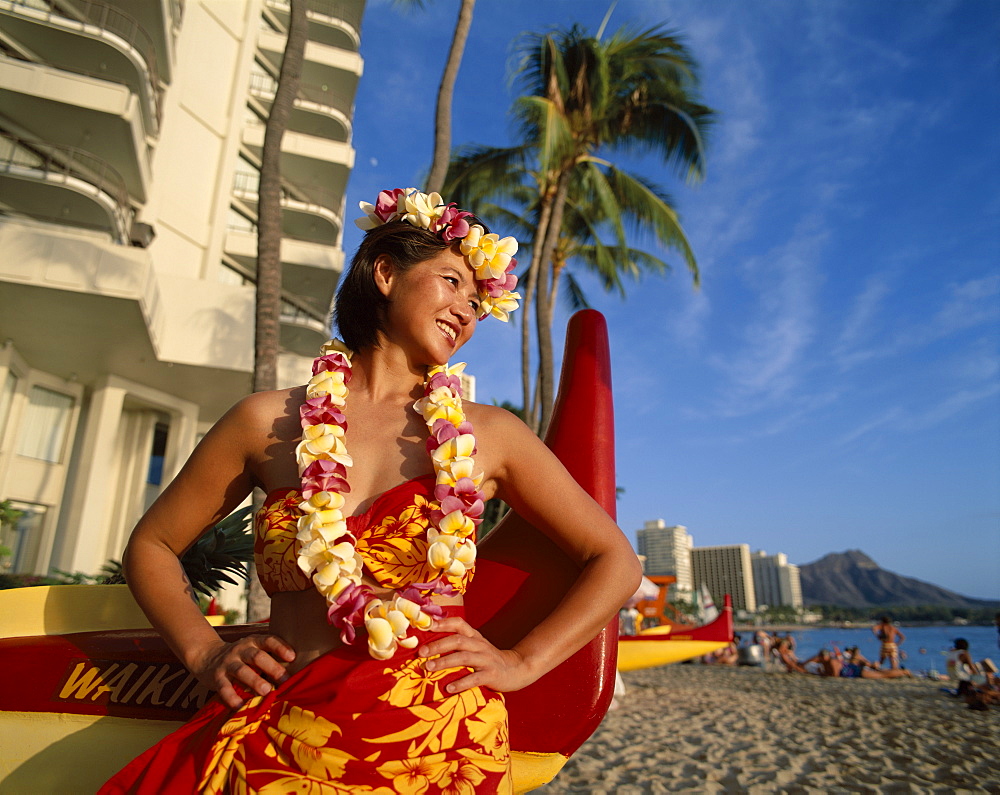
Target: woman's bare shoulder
[(490, 420), (263, 408), (264, 415)]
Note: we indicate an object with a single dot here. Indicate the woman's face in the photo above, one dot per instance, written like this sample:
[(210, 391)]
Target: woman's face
[(432, 305)]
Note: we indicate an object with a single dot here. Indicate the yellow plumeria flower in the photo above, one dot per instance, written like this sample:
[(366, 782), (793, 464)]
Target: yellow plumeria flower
[(461, 446), (322, 500), (417, 617), (335, 346), (449, 553), (499, 308), (328, 382), (488, 254), (422, 209)]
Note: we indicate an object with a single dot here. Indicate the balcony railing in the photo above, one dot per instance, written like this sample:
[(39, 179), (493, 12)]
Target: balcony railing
[(265, 86), (328, 8), (314, 193), (66, 162), (110, 20)]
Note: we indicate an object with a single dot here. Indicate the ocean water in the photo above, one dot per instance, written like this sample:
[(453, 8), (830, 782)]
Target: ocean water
[(925, 647)]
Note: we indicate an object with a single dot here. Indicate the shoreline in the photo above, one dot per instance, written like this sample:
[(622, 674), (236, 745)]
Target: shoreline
[(847, 625), (702, 728)]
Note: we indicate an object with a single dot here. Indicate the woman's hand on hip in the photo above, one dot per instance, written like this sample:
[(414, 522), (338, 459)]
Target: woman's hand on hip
[(249, 662), (498, 669)]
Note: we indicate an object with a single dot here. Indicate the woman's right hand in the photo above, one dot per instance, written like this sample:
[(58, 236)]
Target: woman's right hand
[(249, 662)]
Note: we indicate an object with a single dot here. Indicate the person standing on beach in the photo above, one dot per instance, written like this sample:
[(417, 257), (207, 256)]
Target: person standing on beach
[(890, 638)]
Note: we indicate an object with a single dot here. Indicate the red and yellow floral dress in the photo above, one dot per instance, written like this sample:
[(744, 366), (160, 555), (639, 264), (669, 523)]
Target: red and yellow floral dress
[(345, 723)]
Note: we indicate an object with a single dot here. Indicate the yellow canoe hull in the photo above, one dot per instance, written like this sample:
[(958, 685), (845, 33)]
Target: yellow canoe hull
[(636, 654)]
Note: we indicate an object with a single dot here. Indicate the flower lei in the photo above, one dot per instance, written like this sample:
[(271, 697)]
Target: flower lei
[(327, 552), (489, 255)]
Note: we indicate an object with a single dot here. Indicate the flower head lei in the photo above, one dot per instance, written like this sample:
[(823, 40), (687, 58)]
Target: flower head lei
[(326, 548), (490, 256)]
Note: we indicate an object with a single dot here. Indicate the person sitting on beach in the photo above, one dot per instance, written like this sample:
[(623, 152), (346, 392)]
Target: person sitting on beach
[(856, 666), (786, 656), (853, 655), (976, 687), (890, 637), (960, 665), (727, 655), (762, 639), (825, 664)]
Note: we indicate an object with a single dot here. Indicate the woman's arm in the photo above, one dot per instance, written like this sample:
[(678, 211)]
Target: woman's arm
[(215, 479), (536, 485)]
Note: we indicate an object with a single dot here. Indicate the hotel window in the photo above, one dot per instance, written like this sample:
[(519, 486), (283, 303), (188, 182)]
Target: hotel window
[(157, 457), (6, 397), (46, 423), (23, 538)]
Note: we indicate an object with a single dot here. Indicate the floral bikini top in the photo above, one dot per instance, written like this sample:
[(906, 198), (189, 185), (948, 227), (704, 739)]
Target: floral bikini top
[(391, 539)]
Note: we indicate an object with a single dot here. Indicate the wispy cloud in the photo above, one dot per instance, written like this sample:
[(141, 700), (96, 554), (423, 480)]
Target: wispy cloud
[(968, 304), (901, 420), (784, 283)]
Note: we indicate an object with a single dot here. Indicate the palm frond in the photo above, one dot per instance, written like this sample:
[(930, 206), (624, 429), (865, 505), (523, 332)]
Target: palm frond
[(572, 293), (224, 549)]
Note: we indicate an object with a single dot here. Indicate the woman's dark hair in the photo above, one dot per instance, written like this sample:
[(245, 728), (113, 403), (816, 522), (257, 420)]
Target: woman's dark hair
[(359, 310), (961, 643)]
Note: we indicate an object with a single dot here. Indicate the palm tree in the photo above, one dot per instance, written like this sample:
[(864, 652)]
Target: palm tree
[(269, 232), (446, 92), (586, 100), (631, 203)]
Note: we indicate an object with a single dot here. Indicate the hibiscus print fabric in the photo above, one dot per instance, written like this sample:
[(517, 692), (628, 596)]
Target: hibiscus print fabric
[(343, 724)]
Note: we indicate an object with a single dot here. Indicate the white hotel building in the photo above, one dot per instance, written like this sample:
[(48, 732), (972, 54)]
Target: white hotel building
[(776, 581), (725, 570), (130, 138), (667, 551)]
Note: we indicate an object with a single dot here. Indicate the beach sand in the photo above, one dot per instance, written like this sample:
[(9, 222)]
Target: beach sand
[(698, 728)]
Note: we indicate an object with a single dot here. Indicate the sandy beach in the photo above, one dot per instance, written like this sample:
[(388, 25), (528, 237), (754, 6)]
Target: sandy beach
[(696, 728)]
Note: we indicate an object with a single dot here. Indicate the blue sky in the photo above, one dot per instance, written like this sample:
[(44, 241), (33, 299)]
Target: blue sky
[(835, 384)]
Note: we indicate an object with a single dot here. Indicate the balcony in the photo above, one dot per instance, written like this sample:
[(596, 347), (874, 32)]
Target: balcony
[(301, 332), (160, 19), (332, 23), (310, 212), (318, 111), (63, 185), (98, 41), (309, 271), (79, 112), (314, 174), (324, 65)]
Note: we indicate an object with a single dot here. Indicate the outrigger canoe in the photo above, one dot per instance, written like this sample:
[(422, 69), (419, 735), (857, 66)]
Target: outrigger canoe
[(87, 685), (672, 643)]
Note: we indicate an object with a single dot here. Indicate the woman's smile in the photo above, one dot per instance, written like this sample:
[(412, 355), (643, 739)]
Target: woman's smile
[(449, 331)]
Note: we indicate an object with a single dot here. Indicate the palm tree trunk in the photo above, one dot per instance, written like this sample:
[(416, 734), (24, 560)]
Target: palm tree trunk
[(529, 292), (446, 90), (557, 269), (543, 309), (527, 393), (268, 306)]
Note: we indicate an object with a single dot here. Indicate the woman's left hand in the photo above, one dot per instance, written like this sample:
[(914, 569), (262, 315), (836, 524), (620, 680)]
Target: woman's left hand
[(492, 667)]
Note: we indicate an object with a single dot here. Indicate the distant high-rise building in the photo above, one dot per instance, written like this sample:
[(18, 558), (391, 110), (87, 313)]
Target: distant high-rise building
[(131, 136), (776, 581), (667, 551), (725, 570)]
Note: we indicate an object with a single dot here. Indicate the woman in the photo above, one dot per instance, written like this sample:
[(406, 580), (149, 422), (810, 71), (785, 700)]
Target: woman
[(370, 680), (889, 638)]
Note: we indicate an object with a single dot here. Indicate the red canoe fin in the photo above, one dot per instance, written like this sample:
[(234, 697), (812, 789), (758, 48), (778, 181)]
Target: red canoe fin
[(512, 591)]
